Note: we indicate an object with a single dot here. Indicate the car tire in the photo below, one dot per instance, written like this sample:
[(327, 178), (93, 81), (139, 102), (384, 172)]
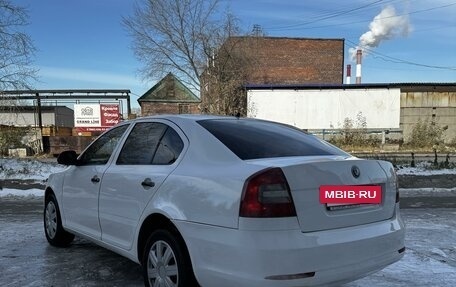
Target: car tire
[(166, 262), (55, 234)]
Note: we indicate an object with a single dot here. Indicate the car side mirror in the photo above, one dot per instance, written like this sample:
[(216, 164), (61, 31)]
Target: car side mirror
[(68, 157)]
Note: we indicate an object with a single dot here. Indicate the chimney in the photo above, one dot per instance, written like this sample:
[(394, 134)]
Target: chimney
[(349, 73), (359, 55)]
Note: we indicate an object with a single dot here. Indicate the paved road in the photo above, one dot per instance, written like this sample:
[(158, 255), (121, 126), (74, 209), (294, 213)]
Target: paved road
[(27, 260)]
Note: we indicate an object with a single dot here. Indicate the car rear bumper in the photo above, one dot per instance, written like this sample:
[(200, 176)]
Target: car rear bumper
[(233, 257)]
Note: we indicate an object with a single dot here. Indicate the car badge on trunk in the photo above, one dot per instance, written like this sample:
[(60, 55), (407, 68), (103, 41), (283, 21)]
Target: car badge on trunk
[(355, 171)]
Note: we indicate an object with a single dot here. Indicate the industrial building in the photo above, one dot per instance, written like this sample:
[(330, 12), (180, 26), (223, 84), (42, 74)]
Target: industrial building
[(23, 116), (385, 107)]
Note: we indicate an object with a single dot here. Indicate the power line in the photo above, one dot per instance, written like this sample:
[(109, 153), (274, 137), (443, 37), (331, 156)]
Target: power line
[(134, 94), (387, 58), (296, 26), (326, 16)]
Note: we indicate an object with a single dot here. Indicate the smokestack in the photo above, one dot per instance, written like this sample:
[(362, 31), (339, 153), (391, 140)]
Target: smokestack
[(349, 73), (359, 55)]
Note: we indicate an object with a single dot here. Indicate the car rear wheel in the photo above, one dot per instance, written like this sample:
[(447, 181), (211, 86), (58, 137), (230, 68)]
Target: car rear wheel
[(55, 234), (166, 262)]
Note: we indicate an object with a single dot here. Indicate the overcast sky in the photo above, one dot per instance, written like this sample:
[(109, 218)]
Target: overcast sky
[(82, 44)]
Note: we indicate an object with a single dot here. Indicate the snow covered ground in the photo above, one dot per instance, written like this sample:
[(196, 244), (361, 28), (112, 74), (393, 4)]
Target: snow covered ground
[(18, 193), (423, 168), (39, 171), (430, 259), (27, 169)]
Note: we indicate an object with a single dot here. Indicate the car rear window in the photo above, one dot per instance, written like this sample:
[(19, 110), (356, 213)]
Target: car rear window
[(255, 139)]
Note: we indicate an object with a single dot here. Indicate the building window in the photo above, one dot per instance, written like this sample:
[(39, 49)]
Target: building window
[(184, 109)]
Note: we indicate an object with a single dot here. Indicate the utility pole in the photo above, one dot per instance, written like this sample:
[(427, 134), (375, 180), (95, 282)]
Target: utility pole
[(38, 110), (257, 31)]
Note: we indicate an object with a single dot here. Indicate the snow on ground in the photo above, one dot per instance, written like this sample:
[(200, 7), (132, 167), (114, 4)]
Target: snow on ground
[(430, 256), (405, 192), (30, 169), (423, 168), (36, 170), (11, 168), (428, 261), (17, 193), (411, 270)]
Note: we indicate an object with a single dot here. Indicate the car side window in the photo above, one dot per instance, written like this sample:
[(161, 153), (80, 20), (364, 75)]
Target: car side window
[(100, 151), (141, 144), (151, 143), (169, 148)]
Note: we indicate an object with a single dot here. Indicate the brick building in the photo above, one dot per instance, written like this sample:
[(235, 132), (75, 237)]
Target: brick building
[(253, 60), (293, 60), (169, 96), (22, 116)]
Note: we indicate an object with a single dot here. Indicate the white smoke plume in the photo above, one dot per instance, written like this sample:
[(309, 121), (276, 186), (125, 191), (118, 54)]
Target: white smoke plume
[(384, 26)]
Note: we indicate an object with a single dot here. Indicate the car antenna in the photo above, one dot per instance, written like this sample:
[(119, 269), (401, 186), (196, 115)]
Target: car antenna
[(238, 115)]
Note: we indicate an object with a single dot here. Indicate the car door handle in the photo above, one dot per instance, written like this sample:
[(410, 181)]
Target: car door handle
[(95, 179), (148, 183)]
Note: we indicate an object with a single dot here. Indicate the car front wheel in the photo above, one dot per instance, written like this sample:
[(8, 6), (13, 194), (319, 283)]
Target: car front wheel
[(166, 261), (55, 234)]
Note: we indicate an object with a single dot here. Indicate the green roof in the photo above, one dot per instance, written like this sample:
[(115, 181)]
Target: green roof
[(169, 89)]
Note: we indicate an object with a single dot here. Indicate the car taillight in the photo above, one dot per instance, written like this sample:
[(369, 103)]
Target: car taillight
[(267, 194)]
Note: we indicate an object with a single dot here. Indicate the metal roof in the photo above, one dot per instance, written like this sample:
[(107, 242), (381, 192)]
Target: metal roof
[(74, 91), (18, 109), (402, 86), (159, 92)]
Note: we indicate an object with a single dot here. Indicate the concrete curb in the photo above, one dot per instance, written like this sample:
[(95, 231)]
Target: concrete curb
[(427, 192), (427, 181)]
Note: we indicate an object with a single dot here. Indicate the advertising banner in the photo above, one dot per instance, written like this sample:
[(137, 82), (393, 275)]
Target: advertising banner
[(95, 117)]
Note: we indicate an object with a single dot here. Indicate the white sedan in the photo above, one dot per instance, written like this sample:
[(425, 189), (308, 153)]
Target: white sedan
[(225, 201)]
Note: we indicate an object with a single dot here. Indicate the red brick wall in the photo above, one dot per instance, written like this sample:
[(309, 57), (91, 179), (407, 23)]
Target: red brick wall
[(154, 108), (294, 60)]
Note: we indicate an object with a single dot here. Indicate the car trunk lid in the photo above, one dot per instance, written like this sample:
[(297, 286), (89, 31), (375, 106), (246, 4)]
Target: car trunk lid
[(306, 175)]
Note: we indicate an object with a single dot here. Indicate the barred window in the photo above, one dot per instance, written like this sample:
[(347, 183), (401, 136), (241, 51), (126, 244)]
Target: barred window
[(184, 108)]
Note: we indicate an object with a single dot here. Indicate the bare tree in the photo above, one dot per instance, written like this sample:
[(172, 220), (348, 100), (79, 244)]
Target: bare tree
[(188, 38), (228, 71), (172, 36), (16, 48), (197, 43)]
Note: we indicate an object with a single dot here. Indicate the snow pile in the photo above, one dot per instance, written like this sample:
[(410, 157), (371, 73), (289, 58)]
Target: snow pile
[(16, 193), (29, 169), (25, 170)]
